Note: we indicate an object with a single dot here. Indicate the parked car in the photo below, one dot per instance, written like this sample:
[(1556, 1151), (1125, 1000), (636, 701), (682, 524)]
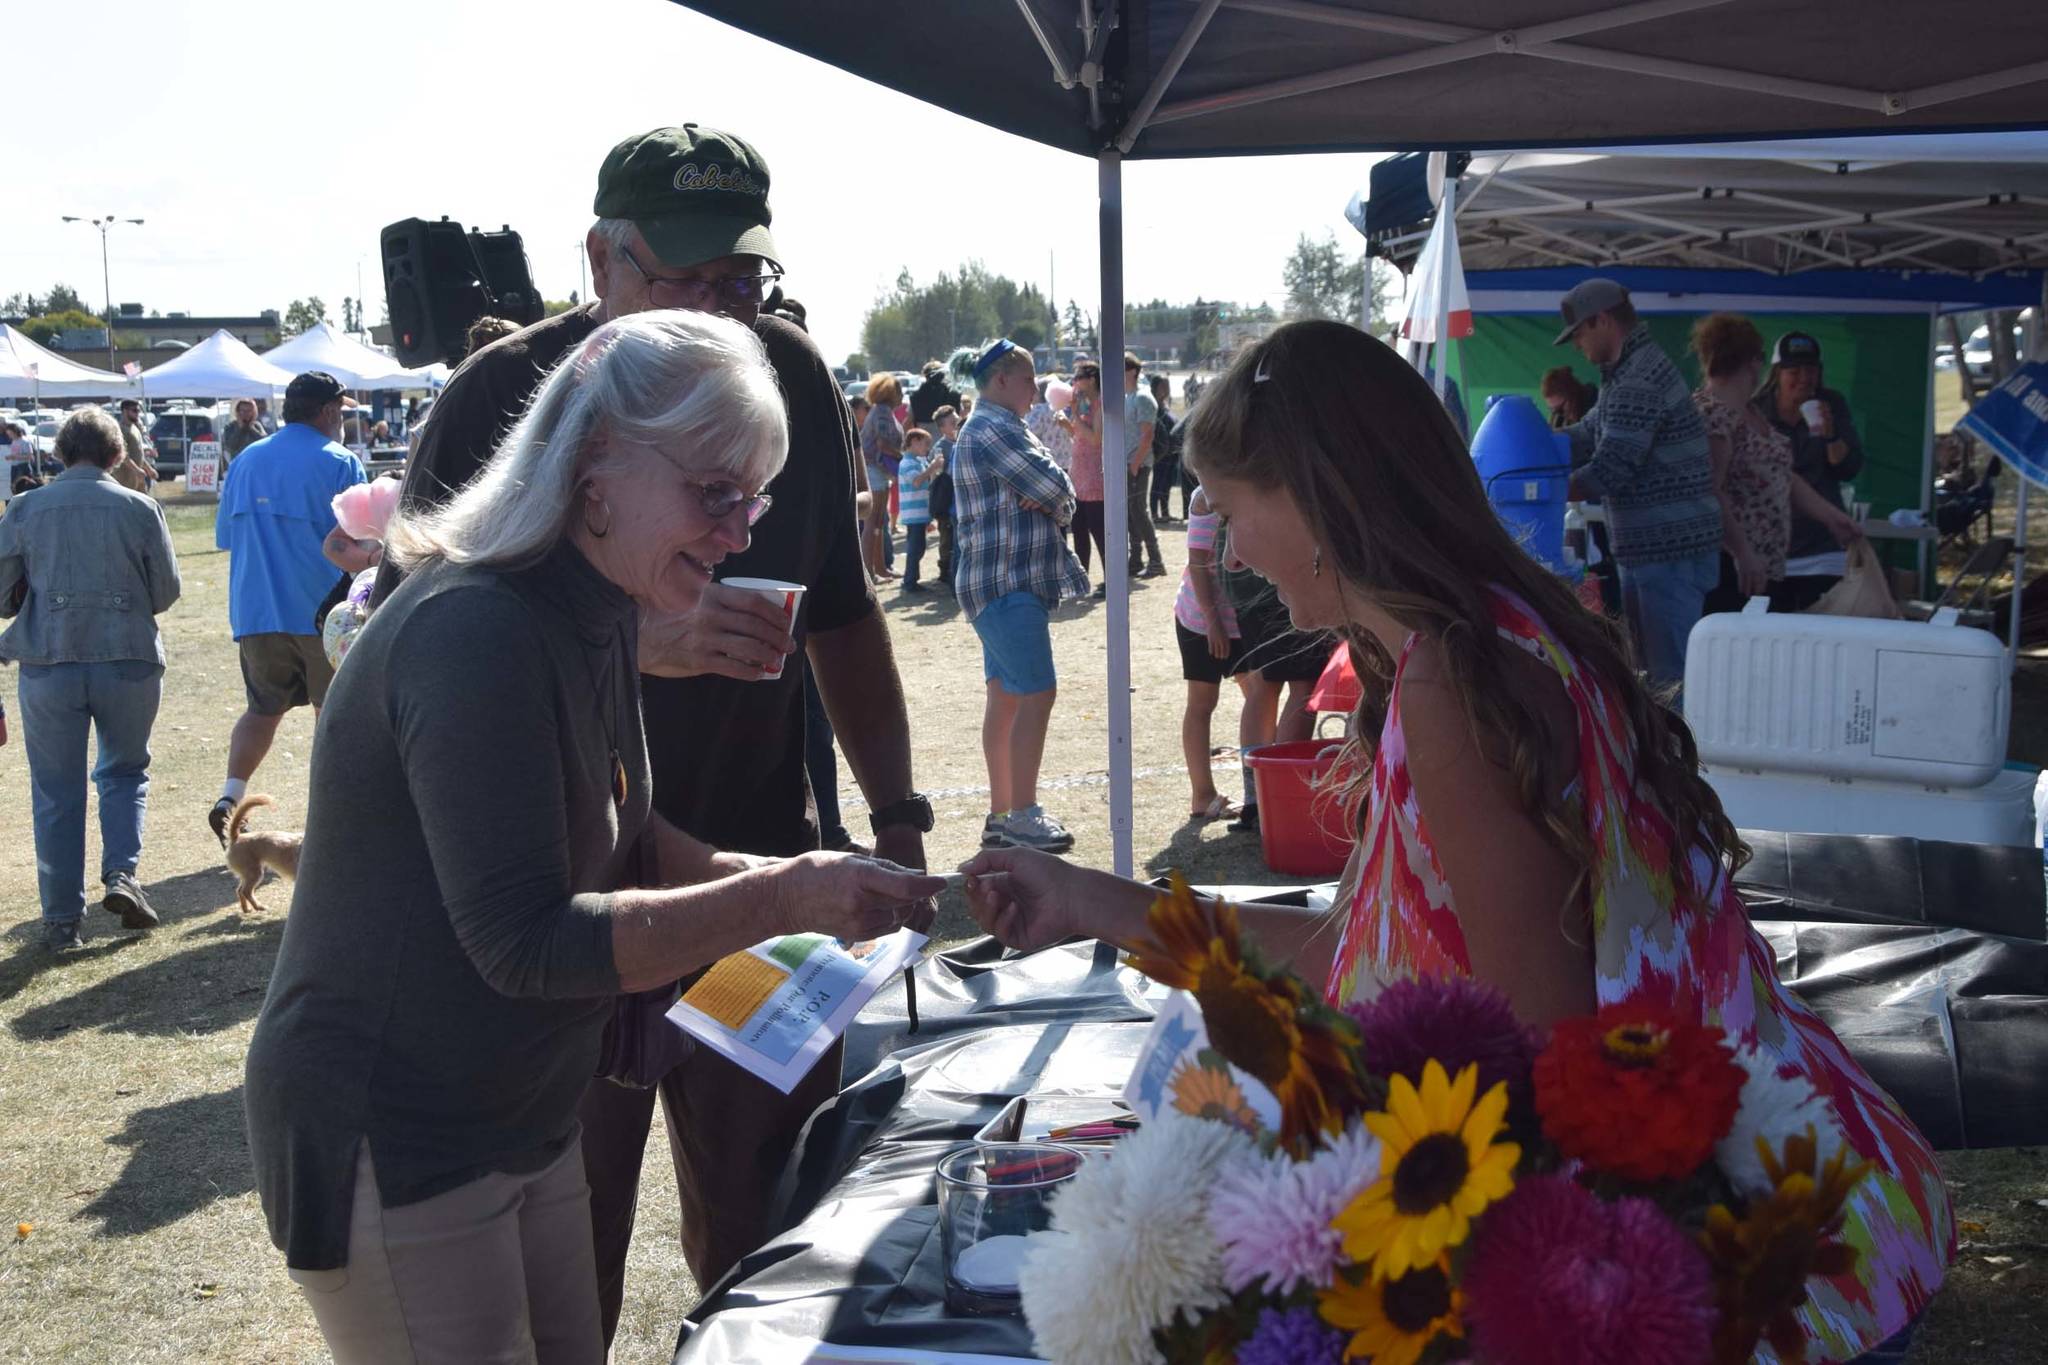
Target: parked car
[(173, 432)]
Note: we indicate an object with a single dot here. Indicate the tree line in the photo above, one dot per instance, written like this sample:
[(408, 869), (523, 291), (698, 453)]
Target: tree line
[(914, 322)]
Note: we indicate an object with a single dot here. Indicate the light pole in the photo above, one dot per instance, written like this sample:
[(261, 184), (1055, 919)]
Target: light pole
[(103, 224)]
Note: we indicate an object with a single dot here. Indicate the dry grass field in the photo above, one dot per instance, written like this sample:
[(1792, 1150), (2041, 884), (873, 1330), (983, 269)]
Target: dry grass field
[(120, 1068)]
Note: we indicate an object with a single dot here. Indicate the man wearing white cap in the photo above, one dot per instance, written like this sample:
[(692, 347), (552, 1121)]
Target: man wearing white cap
[(1642, 450)]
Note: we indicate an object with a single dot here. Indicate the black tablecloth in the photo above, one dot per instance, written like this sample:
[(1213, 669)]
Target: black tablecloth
[(1954, 1023)]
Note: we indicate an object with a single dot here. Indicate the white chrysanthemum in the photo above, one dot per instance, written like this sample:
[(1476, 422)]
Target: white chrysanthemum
[(1129, 1246), (1271, 1214), (1773, 1108)]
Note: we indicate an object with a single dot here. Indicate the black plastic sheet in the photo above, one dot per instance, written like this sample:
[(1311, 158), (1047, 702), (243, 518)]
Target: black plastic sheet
[(1953, 1023)]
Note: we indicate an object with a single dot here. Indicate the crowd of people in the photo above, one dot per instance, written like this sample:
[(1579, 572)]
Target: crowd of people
[(1711, 495), (563, 768)]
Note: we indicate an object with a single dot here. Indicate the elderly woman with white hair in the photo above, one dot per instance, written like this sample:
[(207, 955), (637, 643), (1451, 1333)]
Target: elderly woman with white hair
[(480, 797)]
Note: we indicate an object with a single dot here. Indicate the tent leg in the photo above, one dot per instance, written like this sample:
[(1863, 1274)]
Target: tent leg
[(1447, 214), (2019, 575), (1115, 497)]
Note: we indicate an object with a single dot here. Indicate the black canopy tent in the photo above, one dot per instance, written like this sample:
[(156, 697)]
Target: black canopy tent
[(1111, 79)]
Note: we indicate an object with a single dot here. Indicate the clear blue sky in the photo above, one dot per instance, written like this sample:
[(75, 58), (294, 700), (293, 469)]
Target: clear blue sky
[(265, 144)]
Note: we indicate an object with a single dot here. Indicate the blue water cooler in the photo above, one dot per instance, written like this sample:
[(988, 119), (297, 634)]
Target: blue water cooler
[(1526, 468)]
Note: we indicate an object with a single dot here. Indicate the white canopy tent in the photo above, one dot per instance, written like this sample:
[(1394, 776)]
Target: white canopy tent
[(326, 347), (34, 372), (219, 367)]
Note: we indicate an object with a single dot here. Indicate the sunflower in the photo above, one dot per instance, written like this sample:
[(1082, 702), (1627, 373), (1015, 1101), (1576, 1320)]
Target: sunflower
[(1208, 1093), (1763, 1259), (1439, 1168), (1263, 1023), (1393, 1321)]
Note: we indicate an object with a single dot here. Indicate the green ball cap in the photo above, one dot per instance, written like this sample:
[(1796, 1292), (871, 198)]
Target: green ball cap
[(695, 193)]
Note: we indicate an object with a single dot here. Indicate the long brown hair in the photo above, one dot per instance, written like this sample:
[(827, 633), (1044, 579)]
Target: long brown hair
[(1370, 457)]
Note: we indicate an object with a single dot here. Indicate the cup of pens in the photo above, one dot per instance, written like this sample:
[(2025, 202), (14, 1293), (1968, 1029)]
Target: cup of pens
[(991, 1197)]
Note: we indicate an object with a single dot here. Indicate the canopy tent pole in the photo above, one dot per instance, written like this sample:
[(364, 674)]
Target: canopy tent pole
[(1447, 215), (1115, 500), (2019, 576)]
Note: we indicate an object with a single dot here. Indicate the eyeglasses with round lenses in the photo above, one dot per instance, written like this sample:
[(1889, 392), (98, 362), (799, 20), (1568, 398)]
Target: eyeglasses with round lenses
[(719, 499), (702, 295)]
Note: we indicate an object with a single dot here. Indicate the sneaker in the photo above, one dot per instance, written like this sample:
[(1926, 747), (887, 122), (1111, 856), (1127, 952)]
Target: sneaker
[(995, 832), (843, 842), (217, 819), (1101, 592), (63, 938), (1247, 823), (1156, 571), (124, 898), (1031, 827)]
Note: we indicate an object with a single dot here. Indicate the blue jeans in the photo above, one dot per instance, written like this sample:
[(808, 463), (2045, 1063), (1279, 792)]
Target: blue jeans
[(913, 551), (59, 704), (1662, 604)]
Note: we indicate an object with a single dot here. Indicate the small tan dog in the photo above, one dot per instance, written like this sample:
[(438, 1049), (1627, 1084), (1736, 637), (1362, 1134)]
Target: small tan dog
[(249, 854)]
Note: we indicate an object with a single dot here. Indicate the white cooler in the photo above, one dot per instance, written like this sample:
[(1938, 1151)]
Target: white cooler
[(1841, 725)]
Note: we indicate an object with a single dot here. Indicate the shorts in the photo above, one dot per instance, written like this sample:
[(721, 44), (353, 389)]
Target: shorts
[(1281, 653), (1197, 664), (880, 477), (282, 671), (1016, 644)]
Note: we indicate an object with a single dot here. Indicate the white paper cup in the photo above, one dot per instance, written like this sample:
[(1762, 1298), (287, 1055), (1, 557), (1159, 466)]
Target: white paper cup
[(785, 595), (1814, 411)]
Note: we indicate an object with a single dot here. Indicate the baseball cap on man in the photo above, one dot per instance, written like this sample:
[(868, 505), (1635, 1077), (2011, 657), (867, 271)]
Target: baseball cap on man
[(1796, 348), (1586, 300), (315, 389), (695, 193)]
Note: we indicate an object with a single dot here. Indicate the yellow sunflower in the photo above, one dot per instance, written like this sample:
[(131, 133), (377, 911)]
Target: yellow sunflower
[(1257, 1022), (1439, 1168), (1393, 1321), (1763, 1260)]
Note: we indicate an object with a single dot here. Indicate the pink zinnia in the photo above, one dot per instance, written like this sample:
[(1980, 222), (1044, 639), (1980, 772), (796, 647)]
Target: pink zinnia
[(1559, 1278), (1271, 1214), (1456, 1021)]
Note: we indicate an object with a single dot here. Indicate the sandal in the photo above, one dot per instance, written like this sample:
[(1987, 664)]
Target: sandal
[(1220, 807)]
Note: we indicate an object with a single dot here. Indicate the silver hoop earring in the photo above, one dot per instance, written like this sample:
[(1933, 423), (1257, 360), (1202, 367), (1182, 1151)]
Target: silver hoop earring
[(1318, 565), (597, 532)]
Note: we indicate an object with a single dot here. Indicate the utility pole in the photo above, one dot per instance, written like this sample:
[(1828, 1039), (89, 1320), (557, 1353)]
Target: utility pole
[(105, 284), (582, 270)]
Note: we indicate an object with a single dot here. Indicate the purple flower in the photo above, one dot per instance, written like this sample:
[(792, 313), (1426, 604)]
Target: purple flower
[(1293, 1336), (1611, 1284), (1271, 1214), (1455, 1020)]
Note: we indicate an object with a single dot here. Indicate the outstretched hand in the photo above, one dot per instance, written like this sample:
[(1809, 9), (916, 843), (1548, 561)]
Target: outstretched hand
[(1022, 897)]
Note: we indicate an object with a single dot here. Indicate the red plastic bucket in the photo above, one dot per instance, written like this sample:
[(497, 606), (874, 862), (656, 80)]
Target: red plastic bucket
[(1301, 829)]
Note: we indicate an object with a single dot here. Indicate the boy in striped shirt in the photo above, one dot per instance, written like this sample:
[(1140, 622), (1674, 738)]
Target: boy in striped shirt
[(914, 475)]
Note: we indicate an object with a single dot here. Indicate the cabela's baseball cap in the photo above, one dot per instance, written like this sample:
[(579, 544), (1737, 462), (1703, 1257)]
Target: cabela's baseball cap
[(1587, 299), (1796, 348), (695, 193), (315, 389)]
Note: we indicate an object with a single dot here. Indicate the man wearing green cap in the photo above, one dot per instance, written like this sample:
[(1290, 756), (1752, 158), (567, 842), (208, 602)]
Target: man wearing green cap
[(683, 222)]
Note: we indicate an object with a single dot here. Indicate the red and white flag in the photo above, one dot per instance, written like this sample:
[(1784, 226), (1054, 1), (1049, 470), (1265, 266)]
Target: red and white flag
[(34, 369), (131, 369)]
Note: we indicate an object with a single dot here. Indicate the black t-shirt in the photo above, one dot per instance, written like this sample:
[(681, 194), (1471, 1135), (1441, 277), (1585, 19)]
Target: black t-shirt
[(934, 393), (727, 757)]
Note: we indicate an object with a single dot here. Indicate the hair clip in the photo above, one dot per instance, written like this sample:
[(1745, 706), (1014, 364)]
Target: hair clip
[(1261, 375)]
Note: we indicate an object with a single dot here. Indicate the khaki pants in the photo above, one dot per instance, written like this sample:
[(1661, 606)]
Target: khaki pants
[(495, 1272)]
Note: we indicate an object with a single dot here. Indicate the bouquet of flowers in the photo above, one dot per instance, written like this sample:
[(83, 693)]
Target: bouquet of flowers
[(1442, 1184)]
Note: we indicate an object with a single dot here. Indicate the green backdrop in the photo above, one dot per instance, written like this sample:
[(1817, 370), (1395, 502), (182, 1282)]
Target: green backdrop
[(1877, 360)]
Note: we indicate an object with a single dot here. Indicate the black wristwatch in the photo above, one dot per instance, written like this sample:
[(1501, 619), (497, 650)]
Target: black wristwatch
[(914, 810)]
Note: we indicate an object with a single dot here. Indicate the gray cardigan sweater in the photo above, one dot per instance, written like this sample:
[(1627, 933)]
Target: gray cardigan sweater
[(446, 971)]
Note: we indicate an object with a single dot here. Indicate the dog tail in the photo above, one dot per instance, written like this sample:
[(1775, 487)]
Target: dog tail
[(240, 816)]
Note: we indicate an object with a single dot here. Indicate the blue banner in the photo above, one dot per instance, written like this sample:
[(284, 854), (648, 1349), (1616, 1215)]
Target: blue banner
[(2013, 420)]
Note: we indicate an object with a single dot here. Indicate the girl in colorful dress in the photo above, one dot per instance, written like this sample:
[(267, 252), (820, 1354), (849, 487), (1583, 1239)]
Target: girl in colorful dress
[(1527, 813)]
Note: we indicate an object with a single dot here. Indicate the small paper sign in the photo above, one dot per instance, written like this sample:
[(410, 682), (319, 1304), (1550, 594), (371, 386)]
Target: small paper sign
[(1178, 1070), (202, 472)]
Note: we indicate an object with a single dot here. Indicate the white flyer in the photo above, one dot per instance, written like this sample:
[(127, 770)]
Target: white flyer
[(776, 1007)]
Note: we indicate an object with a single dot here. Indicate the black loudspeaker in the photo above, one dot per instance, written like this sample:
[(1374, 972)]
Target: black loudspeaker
[(506, 274), (434, 287)]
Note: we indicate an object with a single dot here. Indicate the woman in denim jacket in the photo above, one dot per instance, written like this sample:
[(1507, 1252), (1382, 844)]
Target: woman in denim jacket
[(85, 567)]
